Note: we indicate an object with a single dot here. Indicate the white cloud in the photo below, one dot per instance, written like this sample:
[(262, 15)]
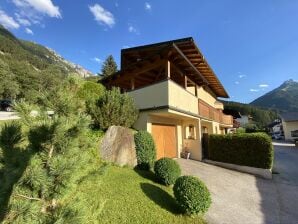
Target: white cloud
[(44, 7), (242, 76), (237, 83), (28, 31), (132, 29), (7, 21), (102, 15), (254, 90), (98, 60), (263, 85), (148, 6), (21, 20), (125, 46)]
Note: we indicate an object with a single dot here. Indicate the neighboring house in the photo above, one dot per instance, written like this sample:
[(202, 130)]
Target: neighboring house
[(236, 115), (244, 120), (275, 127), (290, 125), (176, 92)]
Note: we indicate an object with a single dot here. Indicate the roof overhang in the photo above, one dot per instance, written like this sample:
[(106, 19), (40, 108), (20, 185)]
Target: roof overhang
[(183, 52)]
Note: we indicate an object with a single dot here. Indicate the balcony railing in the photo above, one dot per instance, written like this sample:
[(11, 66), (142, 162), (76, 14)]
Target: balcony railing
[(227, 119), (209, 112)]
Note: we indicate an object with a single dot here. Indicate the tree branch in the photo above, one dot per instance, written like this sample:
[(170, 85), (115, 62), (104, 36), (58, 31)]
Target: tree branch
[(29, 198)]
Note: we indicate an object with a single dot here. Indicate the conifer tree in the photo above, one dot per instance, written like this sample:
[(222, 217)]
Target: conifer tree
[(109, 66), (36, 178), (114, 108)]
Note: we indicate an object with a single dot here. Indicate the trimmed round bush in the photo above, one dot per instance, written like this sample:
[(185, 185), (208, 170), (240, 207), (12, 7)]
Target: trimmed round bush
[(167, 170), (145, 150), (192, 195)]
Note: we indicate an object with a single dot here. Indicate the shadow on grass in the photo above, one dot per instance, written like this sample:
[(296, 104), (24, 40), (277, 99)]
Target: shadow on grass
[(160, 197), (146, 174)]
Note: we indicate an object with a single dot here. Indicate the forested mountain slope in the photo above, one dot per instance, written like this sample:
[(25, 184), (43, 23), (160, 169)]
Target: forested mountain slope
[(284, 98), (27, 68)]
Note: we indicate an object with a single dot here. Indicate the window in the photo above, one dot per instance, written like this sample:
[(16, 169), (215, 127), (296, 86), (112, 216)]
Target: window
[(294, 134), (190, 132), (205, 130)]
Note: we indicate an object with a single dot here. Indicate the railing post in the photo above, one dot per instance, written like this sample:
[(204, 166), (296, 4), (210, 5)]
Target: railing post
[(132, 82)]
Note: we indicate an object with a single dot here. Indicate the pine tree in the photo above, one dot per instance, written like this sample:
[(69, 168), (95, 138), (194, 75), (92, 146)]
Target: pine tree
[(114, 108), (109, 66), (38, 176)]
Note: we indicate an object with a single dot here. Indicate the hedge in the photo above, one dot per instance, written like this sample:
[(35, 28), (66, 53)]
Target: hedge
[(253, 149)]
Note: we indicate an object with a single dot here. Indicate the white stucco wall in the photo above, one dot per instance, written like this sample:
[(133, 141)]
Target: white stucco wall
[(288, 127)]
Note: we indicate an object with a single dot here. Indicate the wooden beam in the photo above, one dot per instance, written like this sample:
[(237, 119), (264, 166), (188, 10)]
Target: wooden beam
[(178, 69), (135, 72), (196, 90), (168, 69), (185, 81), (160, 72), (132, 83)]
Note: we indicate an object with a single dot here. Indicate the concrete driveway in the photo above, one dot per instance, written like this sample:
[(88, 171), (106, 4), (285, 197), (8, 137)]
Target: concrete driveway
[(243, 198)]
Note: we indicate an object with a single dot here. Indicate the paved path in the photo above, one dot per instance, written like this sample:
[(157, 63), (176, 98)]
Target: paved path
[(246, 199)]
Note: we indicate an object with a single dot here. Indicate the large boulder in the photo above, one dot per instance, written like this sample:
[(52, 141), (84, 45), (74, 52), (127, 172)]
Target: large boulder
[(118, 146)]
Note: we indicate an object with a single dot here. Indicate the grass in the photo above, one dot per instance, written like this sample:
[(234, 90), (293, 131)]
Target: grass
[(111, 194), (130, 196)]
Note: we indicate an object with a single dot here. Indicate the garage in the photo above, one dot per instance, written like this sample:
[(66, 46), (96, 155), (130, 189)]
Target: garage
[(165, 140)]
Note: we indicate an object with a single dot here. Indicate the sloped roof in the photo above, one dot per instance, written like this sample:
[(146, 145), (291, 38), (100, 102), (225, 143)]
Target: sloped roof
[(187, 51), (290, 116)]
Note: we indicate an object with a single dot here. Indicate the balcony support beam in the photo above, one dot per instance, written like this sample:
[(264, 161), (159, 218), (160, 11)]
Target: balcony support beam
[(132, 83), (168, 69)]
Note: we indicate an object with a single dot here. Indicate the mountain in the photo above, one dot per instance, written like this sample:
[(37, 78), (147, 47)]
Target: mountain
[(28, 68), (35, 54), (284, 98), (77, 68)]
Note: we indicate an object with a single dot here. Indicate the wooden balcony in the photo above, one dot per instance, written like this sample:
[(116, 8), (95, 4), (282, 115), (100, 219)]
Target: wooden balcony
[(227, 119), (209, 112)]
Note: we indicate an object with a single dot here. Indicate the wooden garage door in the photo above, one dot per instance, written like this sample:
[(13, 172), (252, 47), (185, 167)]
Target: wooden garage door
[(165, 140)]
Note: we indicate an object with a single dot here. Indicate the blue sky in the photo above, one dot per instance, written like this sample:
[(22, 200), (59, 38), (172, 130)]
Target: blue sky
[(251, 45)]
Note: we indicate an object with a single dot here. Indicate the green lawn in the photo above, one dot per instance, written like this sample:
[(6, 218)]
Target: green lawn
[(126, 196)]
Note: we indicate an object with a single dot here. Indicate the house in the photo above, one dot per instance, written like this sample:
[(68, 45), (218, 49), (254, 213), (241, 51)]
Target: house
[(236, 115), (176, 92), (290, 125), (244, 120), (276, 128)]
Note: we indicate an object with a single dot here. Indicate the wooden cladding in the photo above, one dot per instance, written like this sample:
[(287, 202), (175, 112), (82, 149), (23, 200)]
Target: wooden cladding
[(205, 110), (226, 119), (209, 112)]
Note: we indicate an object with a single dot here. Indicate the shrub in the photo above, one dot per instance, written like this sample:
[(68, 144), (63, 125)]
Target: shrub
[(251, 128), (242, 149), (192, 195), (91, 91), (167, 170), (114, 108), (240, 130), (145, 149)]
